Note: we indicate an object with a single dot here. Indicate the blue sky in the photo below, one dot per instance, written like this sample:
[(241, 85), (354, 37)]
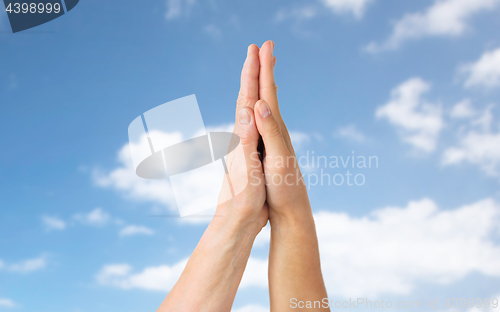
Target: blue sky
[(414, 83)]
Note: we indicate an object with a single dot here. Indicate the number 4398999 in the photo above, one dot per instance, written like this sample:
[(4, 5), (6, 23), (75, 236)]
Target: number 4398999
[(33, 8), (471, 303)]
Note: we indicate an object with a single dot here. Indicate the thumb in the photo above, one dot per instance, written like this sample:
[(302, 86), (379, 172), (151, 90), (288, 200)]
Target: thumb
[(246, 129), (270, 131), (242, 163)]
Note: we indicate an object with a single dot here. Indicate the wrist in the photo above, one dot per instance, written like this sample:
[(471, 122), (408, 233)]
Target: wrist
[(233, 227), (291, 218)]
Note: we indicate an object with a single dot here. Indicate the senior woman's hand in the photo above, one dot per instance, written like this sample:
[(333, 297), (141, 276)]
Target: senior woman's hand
[(248, 208), (213, 273)]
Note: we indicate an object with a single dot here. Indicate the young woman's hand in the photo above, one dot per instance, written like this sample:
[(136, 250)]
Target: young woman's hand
[(286, 190), (294, 262)]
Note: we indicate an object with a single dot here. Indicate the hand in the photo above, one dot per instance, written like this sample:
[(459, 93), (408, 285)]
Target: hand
[(211, 277), (286, 190), (248, 208), (294, 261)]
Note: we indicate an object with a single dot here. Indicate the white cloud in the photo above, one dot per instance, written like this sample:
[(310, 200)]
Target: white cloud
[(463, 109), (255, 273), (159, 278), (479, 146), (114, 274), (417, 121), (96, 217), (485, 121), (263, 237), (354, 7), (393, 249), (485, 72), (7, 303), (389, 251), (53, 223), (251, 308), (124, 179), (131, 230), (178, 8), (26, 266), (351, 133), (443, 18), (163, 277), (228, 127)]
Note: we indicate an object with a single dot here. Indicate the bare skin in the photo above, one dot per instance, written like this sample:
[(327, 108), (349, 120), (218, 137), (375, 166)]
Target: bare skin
[(294, 263), (213, 273)]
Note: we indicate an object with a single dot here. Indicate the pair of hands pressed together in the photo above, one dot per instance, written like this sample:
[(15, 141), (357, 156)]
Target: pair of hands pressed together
[(271, 189), (257, 114)]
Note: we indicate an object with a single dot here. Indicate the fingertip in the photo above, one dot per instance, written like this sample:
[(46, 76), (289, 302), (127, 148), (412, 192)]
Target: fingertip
[(253, 48), (268, 45), (266, 56), (252, 59)]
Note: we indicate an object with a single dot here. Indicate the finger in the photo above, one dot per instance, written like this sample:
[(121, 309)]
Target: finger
[(242, 163), (267, 85), (270, 130), (246, 129), (249, 88)]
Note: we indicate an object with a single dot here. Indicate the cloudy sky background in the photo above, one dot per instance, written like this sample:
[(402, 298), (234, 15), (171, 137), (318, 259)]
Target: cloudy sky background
[(414, 83)]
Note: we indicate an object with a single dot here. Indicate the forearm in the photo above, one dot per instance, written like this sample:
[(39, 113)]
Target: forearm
[(294, 263), (214, 270)]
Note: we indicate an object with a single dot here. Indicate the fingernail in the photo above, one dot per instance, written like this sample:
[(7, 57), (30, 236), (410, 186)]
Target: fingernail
[(272, 47), (244, 117), (264, 109)]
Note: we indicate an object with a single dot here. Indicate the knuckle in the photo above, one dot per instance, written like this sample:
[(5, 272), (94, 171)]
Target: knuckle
[(246, 96), (245, 138), (272, 87), (241, 101)]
